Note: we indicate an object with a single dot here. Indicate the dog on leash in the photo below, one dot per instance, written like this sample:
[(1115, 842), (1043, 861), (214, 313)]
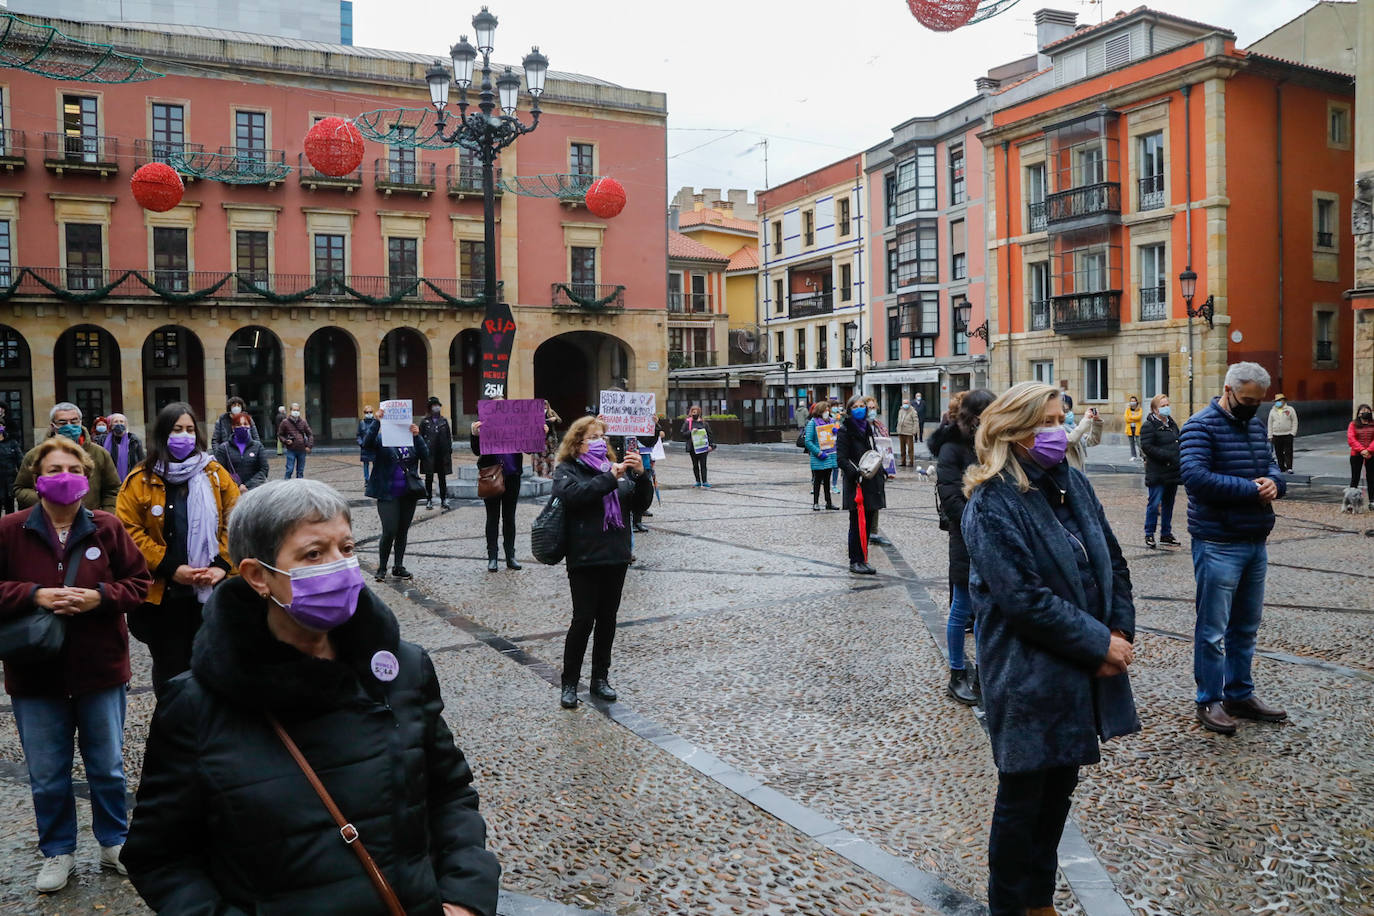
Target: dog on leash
[(926, 474), (1353, 501)]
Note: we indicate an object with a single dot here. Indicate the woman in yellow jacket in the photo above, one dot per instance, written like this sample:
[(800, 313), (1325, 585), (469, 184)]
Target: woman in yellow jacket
[(175, 505), (1133, 418)]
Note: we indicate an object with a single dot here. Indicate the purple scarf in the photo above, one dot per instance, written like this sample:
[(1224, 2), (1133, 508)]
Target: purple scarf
[(121, 456), (610, 503)]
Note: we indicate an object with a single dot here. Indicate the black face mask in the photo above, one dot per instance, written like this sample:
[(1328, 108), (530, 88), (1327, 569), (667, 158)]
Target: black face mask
[(1367, 416), (1244, 412)]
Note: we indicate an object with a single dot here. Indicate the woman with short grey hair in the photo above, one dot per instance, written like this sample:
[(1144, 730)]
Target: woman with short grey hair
[(297, 656)]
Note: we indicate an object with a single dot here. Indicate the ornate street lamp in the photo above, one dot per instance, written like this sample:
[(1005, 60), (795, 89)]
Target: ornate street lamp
[(962, 316), (484, 134), (1187, 284)]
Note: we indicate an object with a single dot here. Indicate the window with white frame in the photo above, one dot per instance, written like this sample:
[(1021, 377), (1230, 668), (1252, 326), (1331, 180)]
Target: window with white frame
[(1326, 222), (1040, 295), (1154, 376), (846, 282), (1095, 379), (1324, 334), (1037, 188), (1150, 183), (1042, 371), (1338, 125), (1154, 284)]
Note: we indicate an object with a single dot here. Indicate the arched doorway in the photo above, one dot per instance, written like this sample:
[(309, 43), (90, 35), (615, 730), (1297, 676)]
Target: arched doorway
[(404, 362), (16, 386), (465, 373), (571, 370), (173, 370), (252, 371), (86, 370), (331, 385)]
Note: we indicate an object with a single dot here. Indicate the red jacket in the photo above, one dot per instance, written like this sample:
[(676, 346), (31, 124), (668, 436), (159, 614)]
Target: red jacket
[(1361, 438), (96, 653)]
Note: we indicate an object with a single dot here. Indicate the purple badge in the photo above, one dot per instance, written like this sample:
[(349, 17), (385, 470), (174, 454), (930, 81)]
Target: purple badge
[(384, 666)]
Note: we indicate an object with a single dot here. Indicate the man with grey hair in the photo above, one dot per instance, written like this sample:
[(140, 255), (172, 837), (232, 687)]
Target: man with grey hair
[(65, 420), (1232, 481)]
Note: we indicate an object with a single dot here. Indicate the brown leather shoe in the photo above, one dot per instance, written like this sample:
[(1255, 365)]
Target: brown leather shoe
[(1214, 718), (1251, 708)]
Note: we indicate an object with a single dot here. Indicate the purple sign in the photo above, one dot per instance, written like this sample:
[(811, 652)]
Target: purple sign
[(511, 426)]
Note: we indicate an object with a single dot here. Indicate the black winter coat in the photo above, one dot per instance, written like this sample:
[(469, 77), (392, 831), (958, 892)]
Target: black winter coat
[(251, 466), (224, 429), (226, 823), (366, 454), (439, 437), (582, 490), (691, 423), (1159, 444), (11, 456), (850, 445), (954, 455), (486, 461), (1039, 643), (384, 466)]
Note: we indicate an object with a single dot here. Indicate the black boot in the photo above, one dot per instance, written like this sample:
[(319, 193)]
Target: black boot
[(568, 700), (959, 689), (510, 561), (492, 564), (602, 688)]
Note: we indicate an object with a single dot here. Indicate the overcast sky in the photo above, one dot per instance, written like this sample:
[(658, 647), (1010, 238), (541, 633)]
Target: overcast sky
[(818, 80)]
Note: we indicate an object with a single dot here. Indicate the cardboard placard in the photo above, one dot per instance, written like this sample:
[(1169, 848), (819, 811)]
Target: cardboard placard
[(884, 446), (399, 416), (511, 426), (498, 336), (701, 442), (825, 438), (629, 413)]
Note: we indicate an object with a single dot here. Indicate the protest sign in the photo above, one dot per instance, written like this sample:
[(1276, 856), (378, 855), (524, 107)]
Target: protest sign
[(628, 413), (884, 447), (701, 441), (511, 426), (657, 453), (825, 438), (498, 335), (396, 421)]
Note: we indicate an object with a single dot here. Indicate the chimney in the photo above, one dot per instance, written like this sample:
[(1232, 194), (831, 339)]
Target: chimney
[(1050, 26), (673, 217), (698, 201), (725, 207), (986, 84)]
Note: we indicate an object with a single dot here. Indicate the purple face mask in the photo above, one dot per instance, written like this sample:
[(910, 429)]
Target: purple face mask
[(181, 445), (596, 450), (324, 596), (242, 435), (1051, 444), (63, 489)]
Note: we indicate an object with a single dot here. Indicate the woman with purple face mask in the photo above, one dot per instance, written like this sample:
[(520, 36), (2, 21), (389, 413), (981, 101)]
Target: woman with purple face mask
[(175, 505), (297, 653), (1056, 621), (244, 456)]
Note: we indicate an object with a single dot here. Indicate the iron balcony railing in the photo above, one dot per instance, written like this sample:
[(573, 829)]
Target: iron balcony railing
[(409, 177), (1324, 351), (689, 303), (804, 305), (463, 180), (176, 154), (250, 164), (1151, 192), (85, 152), (11, 147), (1035, 216), (1084, 314), (312, 178), (691, 359), (1101, 199), (1153, 304), (1040, 314), (588, 295), (1326, 240)]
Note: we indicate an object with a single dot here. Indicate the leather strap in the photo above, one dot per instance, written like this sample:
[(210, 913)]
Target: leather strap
[(346, 830)]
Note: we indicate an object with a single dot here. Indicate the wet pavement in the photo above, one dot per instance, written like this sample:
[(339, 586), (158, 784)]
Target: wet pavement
[(783, 743)]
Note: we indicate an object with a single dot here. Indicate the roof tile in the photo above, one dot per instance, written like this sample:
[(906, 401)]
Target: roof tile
[(680, 246)]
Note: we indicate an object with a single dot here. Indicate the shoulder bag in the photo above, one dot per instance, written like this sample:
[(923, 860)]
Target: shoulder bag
[(491, 481), (38, 634), (346, 830), (548, 534)]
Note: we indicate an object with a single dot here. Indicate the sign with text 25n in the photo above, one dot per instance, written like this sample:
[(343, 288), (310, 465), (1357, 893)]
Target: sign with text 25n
[(629, 413)]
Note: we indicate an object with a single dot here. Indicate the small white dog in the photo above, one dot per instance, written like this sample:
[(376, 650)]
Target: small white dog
[(1353, 501), (926, 473)]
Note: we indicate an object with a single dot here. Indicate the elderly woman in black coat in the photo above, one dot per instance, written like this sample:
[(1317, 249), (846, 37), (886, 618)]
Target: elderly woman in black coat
[(1159, 444), (855, 437), (295, 651), (1055, 625)]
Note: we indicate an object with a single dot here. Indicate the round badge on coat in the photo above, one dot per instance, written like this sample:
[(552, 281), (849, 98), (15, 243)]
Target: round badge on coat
[(93, 553), (385, 667), (157, 511)]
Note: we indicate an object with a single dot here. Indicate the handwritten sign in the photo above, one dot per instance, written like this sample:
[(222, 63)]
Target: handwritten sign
[(825, 438), (511, 426), (399, 415), (628, 413), (497, 337)]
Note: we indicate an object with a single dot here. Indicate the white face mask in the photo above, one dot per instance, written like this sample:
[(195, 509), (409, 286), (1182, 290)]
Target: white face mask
[(295, 413), (236, 410)]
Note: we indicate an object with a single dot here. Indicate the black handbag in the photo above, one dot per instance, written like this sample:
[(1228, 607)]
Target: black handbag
[(548, 534), (415, 487), (38, 634)]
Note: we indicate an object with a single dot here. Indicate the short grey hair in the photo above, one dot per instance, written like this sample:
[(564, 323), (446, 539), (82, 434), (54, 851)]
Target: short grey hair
[(1238, 374), (62, 408), (264, 517)]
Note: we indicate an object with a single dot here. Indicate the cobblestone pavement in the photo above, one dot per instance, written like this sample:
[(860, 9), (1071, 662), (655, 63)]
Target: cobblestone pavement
[(784, 745)]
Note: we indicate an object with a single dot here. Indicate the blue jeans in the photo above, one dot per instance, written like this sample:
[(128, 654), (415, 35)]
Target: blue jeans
[(46, 727), (1161, 497), (1230, 599), (960, 610), (295, 461), (367, 470)]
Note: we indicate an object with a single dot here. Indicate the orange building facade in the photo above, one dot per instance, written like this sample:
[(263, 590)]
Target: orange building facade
[(588, 294), (1154, 147)]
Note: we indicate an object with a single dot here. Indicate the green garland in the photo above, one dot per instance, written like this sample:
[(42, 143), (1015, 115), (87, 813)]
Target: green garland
[(475, 302), (587, 302), (185, 298)]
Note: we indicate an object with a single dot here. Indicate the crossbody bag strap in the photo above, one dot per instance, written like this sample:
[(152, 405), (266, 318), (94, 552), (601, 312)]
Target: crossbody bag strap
[(346, 830)]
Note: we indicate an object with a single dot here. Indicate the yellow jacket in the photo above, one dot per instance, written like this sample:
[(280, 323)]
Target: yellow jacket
[(142, 502), (1133, 417)]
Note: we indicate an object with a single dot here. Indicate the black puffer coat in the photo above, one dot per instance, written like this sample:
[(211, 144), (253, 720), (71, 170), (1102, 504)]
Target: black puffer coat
[(850, 445), (439, 437), (954, 455), (582, 491), (227, 824), (1159, 443)]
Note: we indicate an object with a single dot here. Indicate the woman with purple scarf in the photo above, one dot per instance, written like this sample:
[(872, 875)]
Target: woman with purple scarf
[(500, 509), (124, 447), (599, 497), (175, 505)]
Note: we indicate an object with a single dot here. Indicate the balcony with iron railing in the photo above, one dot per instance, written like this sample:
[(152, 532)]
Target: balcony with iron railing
[(592, 296), (1326, 240), (1325, 351), (1035, 216), (691, 359), (83, 154), (680, 303), (805, 305), (1154, 305), (247, 165), (175, 154), (312, 179), (1089, 205), (12, 152), (1150, 190), (1040, 315), (465, 180), (403, 177), (1085, 314)]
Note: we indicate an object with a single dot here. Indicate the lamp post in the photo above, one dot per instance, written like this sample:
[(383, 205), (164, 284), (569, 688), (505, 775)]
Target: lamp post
[(858, 351), (484, 134), (1187, 283), (962, 316)]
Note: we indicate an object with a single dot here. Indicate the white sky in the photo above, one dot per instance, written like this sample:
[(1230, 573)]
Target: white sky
[(819, 80)]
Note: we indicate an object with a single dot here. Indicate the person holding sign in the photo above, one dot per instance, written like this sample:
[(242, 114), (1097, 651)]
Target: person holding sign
[(819, 439), (501, 506), (395, 484), (700, 443), (599, 495)]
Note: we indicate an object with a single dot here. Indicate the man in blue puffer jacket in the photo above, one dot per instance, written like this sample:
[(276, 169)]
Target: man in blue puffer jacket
[(1232, 481)]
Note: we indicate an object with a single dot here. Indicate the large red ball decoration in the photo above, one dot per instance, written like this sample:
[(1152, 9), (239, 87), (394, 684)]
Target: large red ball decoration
[(606, 197), (943, 15), (334, 146), (157, 187)]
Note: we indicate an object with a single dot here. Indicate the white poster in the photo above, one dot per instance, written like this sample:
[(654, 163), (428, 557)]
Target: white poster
[(657, 453), (629, 413), (397, 416)]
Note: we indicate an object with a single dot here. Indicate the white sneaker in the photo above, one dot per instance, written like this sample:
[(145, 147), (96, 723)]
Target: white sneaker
[(109, 858), (52, 877)]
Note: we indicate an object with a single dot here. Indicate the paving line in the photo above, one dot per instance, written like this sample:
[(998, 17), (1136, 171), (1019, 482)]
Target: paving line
[(900, 873), (1306, 661), (1087, 876)]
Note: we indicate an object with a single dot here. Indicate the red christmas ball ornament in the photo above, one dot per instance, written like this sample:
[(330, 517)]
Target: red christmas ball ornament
[(606, 197), (334, 147), (157, 187), (943, 15)]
